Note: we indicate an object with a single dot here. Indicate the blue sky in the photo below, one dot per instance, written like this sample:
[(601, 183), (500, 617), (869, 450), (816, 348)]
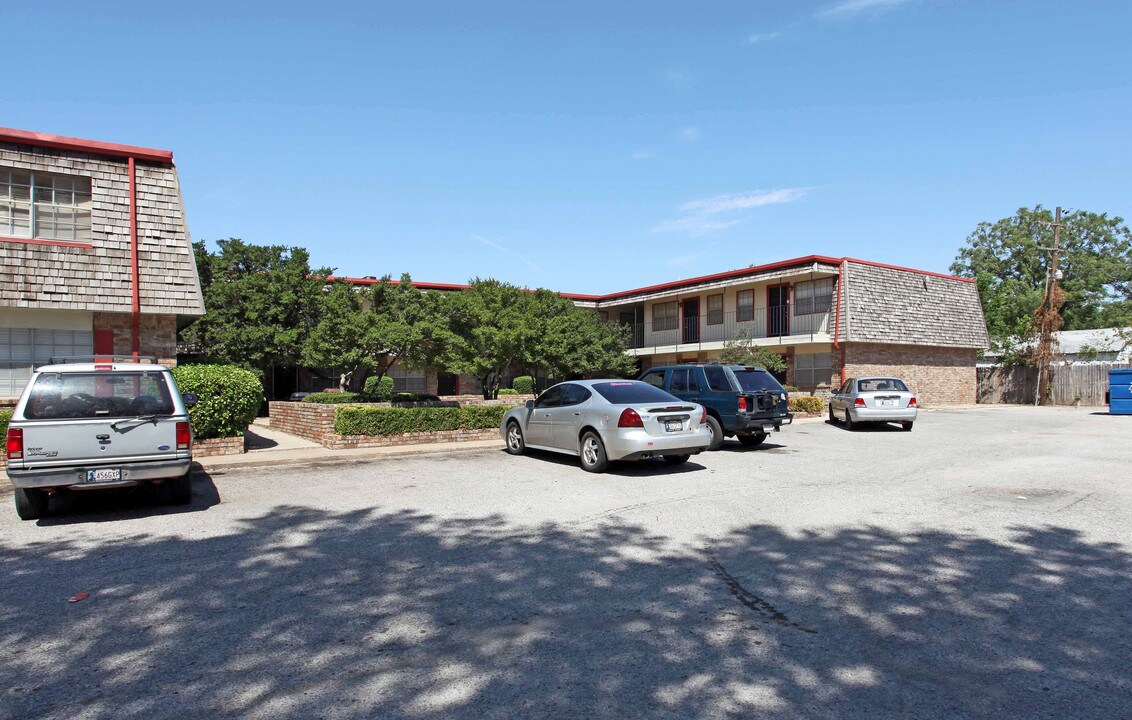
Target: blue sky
[(595, 146)]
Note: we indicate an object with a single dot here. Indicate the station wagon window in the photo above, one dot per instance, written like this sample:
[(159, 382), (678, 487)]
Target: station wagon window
[(745, 306), (717, 379), (715, 310), (811, 370), (44, 206), (664, 316), (813, 297), (655, 378), (55, 396), (684, 380)]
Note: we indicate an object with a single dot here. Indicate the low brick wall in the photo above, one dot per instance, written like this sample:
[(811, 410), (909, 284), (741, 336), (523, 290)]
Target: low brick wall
[(218, 446), (312, 421), (349, 442)]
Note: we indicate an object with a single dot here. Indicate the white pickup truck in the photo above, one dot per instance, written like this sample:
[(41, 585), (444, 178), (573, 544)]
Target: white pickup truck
[(85, 424)]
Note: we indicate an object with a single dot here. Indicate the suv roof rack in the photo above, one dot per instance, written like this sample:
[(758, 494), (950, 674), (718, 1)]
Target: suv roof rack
[(64, 359)]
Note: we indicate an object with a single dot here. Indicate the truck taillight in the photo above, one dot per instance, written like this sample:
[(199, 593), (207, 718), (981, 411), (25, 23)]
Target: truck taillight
[(15, 444), (859, 402), (184, 436), (912, 402), (630, 419), (742, 404)]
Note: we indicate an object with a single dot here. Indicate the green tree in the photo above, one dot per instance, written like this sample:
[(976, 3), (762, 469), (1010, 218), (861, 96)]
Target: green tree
[(343, 338), (575, 342), (259, 301), (1010, 267), (410, 324), (742, 350), (489, 330)]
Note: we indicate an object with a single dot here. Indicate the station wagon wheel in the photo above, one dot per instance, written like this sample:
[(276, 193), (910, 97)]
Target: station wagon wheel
[(593, 453), (848, 420), (716, 432), (515, 442), (31, 504)]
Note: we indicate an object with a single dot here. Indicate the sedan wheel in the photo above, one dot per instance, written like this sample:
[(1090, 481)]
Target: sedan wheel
[(676, 459), (515, 443), (832, 419), (593, 453), (907, 426), (848, 421)]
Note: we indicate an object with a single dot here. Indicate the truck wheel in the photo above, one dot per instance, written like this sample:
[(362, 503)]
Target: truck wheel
[(31, 503), (716, 431), (753, 440), (181, 489)]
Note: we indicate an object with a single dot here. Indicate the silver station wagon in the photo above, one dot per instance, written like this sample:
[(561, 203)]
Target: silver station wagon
[(873, 399), (605, 420), (113, 423)]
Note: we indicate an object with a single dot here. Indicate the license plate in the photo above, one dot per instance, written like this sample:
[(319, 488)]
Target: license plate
[(768, 428), (887, 403), (673, 425), (103, 475)]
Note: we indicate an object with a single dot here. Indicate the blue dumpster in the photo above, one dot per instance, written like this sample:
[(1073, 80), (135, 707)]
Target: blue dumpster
[(1120, 391)]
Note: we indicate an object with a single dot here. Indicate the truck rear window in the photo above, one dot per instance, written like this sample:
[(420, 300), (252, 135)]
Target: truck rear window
[(630, 392), (757, 381), (56, 396)]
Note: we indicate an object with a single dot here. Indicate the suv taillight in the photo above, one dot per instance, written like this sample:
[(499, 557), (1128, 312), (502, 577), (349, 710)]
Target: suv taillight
[(184, 436), (859, 402), (742, 404), (912, 402), (15, 444), (630, 419)]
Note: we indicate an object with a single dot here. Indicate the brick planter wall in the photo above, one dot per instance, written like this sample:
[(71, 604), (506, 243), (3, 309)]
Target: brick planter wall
[(218, 446), (349, 442), (307, 420), (938, 375)]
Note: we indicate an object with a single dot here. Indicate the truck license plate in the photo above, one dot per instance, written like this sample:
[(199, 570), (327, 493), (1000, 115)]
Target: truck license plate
[(673, 425), (104, 475)]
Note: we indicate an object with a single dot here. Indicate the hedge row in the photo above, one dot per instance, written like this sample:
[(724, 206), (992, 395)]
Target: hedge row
[(333, 398), (806, 403), (362, 420), (5, 416)]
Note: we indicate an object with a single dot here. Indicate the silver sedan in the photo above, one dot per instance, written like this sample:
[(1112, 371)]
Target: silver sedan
[(873, 399), (604, 420)]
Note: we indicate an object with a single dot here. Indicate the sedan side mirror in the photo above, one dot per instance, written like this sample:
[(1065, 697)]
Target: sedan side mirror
[(190, 399), (530, 404)]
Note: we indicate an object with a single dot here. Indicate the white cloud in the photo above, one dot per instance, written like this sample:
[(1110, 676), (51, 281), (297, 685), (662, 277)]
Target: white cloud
[(696, 225), (690, 133), (761, 37), (509, 251), (848, 8), (743, 201)]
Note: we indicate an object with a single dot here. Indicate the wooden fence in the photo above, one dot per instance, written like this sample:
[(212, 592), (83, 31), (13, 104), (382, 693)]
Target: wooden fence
[(1070, 384)]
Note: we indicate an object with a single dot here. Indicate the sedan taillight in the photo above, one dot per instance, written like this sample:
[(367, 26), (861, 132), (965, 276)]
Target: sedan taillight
[(15, 444), (184, 436), (629, 419), (703, 416), (912, 402), (859, 402)]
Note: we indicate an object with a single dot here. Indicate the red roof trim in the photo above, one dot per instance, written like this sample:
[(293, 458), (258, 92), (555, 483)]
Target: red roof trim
[(97, 147)]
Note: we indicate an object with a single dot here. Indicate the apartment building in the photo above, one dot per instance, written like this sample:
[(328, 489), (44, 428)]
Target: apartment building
[(95, 253)]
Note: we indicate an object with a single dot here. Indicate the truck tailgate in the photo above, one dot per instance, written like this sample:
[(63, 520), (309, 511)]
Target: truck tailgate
[(59, 443)]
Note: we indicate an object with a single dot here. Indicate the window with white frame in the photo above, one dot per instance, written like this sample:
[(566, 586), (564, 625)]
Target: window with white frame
[(715, 310), (745, 306), (815, 296), (21, 348), (44, 206), (664, 316), (812, 370)]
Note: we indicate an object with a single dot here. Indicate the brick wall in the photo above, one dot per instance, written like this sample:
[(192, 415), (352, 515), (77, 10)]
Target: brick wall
[(349, 442), (307, 420), (938, 375), (218, 446), (157, 334)]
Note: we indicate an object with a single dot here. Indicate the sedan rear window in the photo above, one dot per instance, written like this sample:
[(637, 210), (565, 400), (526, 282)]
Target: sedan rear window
[(631, 392), (55, 396), (881, 384), (757, 381)]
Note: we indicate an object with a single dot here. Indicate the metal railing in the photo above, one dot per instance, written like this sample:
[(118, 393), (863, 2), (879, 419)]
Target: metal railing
[(756, 324)]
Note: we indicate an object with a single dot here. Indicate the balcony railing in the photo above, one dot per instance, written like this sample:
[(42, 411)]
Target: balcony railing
[(721, 327)]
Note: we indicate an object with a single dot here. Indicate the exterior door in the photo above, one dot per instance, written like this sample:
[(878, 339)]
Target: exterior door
[(777, 310), (447, 384), (692, 320)]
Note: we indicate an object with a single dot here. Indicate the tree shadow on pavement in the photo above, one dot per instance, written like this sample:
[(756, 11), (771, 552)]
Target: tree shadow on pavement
[(304, 613)]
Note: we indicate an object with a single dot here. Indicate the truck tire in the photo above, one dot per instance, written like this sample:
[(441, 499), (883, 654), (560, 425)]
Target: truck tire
[(716, 431), (31, 503), (181, 489)]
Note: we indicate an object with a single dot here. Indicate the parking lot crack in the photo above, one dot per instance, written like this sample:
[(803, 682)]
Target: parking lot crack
[(753, 602)]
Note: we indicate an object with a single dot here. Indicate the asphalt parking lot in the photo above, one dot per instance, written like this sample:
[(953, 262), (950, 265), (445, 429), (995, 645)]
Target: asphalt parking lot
[(979, 566)]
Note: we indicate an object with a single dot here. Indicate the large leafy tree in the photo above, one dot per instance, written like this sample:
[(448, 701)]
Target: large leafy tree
[(1007, 260), (260, 301), (343, 338), (575, 342), (489, 330)]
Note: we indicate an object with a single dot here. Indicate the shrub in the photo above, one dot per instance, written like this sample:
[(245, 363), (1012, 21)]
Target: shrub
[(5, 416), (523, 385), (508, 391), (362, 420), (229, 398), (790, 388), (378, 389), (333, 398), (411, 397), (806, 403)]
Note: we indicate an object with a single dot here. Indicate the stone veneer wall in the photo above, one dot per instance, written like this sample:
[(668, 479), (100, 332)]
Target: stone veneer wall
[(938, 375), (157, 334)]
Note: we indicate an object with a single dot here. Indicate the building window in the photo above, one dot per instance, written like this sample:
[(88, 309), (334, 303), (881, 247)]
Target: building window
[(812, 370), (664, 316), (745, 306), (715, 310), (406, 380), (20, 348), (44, 206), (815, 296)]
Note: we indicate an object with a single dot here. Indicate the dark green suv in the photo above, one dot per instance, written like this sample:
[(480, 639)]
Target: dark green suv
[(741, 400)]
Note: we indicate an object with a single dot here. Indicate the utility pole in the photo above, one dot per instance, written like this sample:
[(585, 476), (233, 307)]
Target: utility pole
[(1049, 314)]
